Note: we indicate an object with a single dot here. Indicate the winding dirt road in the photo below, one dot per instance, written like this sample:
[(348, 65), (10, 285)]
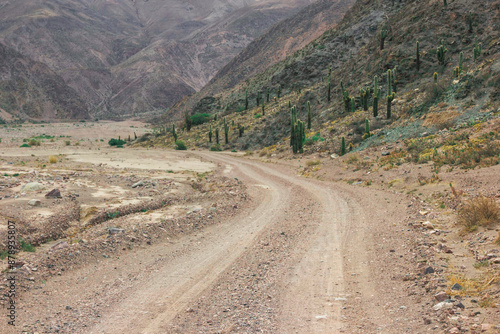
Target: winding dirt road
[(282, 265)]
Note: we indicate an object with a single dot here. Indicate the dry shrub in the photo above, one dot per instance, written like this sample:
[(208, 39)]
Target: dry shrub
[(52, 159), (479, 211), (441, 119), (313, 163)]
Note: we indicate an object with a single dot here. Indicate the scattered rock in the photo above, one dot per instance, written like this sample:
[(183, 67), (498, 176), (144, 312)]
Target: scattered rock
[(442, 305), (35, 202), (54, 193), (115, 230), (441, 296), (334, 156), (429, 270), (60, 245), (385, 153), (428, 225), (32, 186), (138, 184), (456, 286)]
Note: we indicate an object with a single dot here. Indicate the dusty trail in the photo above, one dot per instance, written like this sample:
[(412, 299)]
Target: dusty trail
[(177, 282)]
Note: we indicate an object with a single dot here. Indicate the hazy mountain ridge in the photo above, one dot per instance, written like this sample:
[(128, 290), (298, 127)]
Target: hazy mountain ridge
[(125, 57)]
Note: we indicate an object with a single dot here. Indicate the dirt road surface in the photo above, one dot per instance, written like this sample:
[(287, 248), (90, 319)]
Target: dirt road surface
[(301, 257)]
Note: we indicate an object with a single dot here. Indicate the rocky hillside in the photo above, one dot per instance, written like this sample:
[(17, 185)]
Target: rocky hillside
[(355, 55), (31, 90), (125, 57), (276, 44)]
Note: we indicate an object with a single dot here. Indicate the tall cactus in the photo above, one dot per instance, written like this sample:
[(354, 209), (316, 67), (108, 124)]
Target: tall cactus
[(353, 104), (365, 96), (477, 50), (258, 99), (394, 79), (469, 21), (246, 100), (367, 129), (263, 109), (293, 120), (210, 134), (268, 93), (376, 96), (279, 91), (418, 56), (188, 122), (441, 53), (383, 35), (241, 130), (174, 133), (390, 94), (461, 61), (309, 116), (226, 131), (346, 97), (329, 94), (217, 136), (342, 146)]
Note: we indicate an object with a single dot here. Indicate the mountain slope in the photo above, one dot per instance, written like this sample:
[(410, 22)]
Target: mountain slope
[(126, 57), (31, 90), (275, 45)]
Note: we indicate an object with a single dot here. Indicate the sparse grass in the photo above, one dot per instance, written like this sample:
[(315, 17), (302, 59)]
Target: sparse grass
[(67, 142), (52, 159), (3, 254), (479, 211), (481, 264)]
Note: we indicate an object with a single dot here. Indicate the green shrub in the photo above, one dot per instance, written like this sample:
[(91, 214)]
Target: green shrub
[(180, 146), (34, 142), (200, 118), (26, 246), (115, 142), (25, 145), (215, 148)]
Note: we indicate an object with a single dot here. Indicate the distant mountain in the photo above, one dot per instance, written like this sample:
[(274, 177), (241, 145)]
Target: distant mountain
[(132, 56), (31, 90), (276, 44)]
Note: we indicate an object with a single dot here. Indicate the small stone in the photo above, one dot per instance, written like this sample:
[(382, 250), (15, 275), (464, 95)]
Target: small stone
[(429, 270), (428, 225), (386, 153), (441, 296), (454, 330), (35, 202), (460, 305), (138, 184), (485, 327), (115, 230), (60, 245), (442, 305), (456, 286), (54, 193)]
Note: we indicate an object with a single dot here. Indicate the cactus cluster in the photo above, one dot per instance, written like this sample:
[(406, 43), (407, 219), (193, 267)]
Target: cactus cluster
[(241, 130), (367, 129), (210, 134), (469, 21), (217, 136), (441, 53)]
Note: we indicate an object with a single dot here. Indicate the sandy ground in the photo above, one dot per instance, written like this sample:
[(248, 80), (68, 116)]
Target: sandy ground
[(220, 243)]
